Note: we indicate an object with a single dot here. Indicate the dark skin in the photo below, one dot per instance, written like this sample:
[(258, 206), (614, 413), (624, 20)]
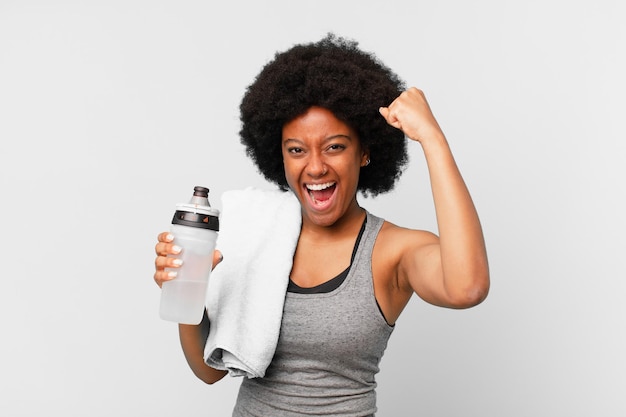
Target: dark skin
[(322, 158)]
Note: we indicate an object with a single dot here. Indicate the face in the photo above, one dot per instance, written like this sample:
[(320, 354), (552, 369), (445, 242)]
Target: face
[(322, 157)]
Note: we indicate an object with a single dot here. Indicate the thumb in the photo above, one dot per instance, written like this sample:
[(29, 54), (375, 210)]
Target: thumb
[(391, 119), (217, 258)]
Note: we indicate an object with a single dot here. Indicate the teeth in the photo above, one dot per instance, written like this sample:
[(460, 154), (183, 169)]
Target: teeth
[(319, 187)]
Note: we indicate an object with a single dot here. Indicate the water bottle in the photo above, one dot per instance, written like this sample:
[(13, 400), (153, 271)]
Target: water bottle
[(194, 226)]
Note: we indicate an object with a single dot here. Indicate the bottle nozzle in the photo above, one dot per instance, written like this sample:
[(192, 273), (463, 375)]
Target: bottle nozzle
[(200, 197), (198, 212), (200, 191)]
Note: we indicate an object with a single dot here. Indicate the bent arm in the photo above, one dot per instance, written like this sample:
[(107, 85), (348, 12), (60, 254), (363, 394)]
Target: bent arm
[(451, 270), (464, 271)]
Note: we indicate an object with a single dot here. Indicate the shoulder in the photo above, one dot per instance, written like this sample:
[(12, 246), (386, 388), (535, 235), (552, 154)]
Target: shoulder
[(396, 251), (399, 240), (408, 252), (398, 248)]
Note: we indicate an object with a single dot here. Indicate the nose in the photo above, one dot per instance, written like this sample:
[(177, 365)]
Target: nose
[(316, 166)]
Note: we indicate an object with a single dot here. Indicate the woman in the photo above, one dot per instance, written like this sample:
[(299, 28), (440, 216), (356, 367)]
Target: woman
[(324, 121)]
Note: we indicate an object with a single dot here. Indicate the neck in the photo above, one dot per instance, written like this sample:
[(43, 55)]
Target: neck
[(350, 221)]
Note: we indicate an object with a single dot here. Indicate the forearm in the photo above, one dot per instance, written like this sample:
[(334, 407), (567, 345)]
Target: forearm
[(462, 247), (192, 340)]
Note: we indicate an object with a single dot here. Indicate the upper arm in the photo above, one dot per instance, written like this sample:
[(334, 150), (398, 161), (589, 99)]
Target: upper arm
[(409, 261), (451, 283), (419, 268)]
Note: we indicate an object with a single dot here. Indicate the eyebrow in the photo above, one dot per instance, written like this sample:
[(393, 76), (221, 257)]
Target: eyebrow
[(339, 135)]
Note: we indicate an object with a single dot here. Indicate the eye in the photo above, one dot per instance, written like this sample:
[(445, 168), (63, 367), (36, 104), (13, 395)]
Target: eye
[(294, 150), (335, 147)]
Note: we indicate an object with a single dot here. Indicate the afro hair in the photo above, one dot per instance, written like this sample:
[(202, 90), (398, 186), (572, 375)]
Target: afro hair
[(335, 74)]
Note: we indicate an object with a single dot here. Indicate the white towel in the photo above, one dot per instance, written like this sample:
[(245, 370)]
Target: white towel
[(258, 235)]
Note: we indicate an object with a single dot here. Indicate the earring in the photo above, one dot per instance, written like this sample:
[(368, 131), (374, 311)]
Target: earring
[(368, 162)]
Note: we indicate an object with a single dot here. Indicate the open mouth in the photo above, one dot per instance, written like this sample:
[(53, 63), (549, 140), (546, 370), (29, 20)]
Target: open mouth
[(321, 193)]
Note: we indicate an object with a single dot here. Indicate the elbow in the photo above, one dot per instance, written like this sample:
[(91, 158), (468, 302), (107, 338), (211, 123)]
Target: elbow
[(473, 293), (209, 381), (206, 379), (475, 296), (209, 375)]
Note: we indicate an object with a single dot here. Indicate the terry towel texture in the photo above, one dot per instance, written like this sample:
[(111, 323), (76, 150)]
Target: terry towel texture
[(258, 235)]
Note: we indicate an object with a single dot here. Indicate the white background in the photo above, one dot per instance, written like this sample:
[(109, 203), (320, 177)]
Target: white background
[(110, 113)]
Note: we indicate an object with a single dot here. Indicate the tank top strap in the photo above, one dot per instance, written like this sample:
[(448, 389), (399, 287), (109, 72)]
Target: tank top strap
[(366, 245)]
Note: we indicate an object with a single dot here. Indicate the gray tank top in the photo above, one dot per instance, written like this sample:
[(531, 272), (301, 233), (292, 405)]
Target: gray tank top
[(328, 351)]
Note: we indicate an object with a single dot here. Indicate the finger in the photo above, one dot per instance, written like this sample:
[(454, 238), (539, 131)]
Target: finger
[(163, 276), (217, 258), (165, 237), (390, 117), (162, 262), (163, 249)]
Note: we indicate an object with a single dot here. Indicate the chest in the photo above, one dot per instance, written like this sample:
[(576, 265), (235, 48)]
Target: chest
[(315, 263), (332, 327)]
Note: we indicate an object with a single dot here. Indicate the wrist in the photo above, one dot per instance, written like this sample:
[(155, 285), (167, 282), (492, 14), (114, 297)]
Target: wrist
[(435, 143)]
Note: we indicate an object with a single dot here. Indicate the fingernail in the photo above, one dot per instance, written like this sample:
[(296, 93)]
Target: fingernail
[(177, 262), (171, 274), (169, 237), (176, 249)]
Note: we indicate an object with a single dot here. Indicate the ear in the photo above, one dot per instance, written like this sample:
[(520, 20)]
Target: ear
[(365, 158)]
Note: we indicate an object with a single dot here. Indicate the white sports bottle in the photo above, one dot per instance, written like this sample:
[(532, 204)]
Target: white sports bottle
[(194, 226)]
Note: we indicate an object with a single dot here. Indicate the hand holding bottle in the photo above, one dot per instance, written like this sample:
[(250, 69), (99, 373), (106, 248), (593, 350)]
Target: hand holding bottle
[(167, 252), (194, 230)]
